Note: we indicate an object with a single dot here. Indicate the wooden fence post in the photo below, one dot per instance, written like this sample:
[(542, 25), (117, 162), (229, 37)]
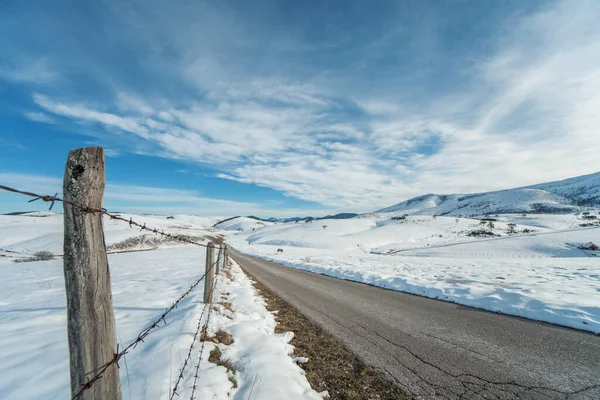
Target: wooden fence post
[(210, 273), (219, 259), (90, 316)]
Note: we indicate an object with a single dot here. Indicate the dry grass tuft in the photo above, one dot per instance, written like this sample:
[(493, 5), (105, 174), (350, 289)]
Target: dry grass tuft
[(233, 382), (226, 305), (223, 337), (204, 334), (227, 272), (215, 358), (215, 355)]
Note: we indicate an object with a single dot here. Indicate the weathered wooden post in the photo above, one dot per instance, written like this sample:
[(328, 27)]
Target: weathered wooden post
[(219, 260), (210, 273), (90, 315)]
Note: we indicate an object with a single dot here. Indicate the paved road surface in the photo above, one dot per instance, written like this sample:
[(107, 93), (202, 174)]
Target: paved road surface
[(438, 350)]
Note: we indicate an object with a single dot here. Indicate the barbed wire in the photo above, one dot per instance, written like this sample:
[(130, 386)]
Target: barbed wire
[(144, 333), (140, 338), (196, 376), (102, 211), (200, 325)]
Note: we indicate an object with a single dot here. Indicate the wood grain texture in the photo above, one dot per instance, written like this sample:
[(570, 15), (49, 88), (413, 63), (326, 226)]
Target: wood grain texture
[(90, 315), (210, 273)]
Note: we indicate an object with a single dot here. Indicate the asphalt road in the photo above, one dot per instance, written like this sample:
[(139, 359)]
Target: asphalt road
[(438, 350)]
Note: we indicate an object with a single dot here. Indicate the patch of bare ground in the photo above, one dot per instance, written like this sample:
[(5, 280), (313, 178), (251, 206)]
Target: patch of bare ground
[(330, 366)]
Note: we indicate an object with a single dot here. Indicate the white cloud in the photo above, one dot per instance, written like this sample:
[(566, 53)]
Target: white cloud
[(378, 107), (135, 198), (112, 153), (128, 103), (39, 117), (529, 113), (39, 184)]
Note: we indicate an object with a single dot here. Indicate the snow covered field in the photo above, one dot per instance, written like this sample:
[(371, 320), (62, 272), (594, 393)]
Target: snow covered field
[(537, 272), (34, 362)]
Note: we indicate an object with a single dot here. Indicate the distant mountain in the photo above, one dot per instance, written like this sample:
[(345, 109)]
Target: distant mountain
[(569, 195), (340, 216), (294, 219)]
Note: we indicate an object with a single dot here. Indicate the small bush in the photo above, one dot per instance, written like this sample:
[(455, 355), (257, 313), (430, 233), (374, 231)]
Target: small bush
[(480, 232), (511, 228), (37, 256)]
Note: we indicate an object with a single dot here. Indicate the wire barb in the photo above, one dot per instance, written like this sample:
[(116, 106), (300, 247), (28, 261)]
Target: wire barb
[(102, 211)]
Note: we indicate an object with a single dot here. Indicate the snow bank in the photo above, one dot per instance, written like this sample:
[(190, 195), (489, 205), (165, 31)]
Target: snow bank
[(261, 358)]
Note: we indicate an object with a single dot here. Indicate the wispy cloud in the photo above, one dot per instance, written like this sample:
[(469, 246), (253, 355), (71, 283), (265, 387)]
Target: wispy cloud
[(135, 198), (39, 184), (39, 117), (354, 133)]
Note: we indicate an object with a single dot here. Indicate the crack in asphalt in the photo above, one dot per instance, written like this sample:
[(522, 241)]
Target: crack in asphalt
[(481, 384), (461, 347)]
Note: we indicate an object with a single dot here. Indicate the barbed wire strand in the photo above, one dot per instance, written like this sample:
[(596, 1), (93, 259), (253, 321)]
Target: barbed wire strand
[(144, 333), (197, 369), (200, 326), (103, 211), (140, 338)]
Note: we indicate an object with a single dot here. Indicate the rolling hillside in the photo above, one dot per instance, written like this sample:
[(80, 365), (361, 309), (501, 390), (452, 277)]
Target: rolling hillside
[(566, 196)]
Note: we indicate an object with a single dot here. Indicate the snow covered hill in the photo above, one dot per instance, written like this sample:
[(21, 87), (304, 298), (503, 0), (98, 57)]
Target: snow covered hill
[(569, 195), (242, 224)]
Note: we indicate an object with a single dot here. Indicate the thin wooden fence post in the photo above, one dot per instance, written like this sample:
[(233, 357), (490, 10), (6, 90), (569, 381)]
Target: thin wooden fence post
[(90, 316), (210, 273)]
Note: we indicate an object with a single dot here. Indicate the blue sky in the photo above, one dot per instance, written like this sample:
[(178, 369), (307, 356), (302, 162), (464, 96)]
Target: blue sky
[(296, 108)]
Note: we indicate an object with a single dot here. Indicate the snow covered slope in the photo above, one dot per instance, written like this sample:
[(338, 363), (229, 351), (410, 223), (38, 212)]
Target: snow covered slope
[(242, 224), (526, 265), (570, 195)]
